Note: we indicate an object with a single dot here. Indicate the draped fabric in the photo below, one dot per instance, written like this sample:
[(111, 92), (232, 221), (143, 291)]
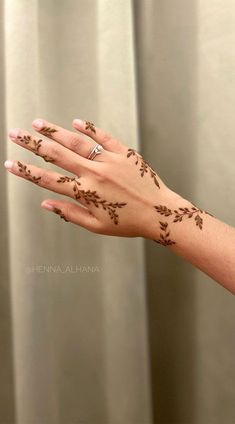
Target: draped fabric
[(105, 330)]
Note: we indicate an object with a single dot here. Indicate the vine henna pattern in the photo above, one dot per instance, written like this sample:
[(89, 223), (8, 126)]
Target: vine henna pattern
[(59, 212), (144, 166), (90, 126), (34, 145), (164, 238), (27, 173), (181, 213), (48, 131), (93, 198)]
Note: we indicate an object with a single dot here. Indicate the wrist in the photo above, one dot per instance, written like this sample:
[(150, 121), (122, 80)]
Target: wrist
[(164, 214)]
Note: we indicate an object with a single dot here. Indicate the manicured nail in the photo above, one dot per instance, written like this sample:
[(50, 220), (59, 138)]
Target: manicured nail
[(8, 164), (78, 122), (38, 123), (13, 133), (47, 206)]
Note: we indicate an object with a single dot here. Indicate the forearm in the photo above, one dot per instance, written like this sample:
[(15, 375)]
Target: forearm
[(210, 248)]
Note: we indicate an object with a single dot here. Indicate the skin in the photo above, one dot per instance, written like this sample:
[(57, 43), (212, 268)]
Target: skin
[(119, 194)]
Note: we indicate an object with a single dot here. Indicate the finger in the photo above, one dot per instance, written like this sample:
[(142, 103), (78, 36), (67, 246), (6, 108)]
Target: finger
[(50, 180), (50, 151), (106, 140), (69, 139), (71, 212)]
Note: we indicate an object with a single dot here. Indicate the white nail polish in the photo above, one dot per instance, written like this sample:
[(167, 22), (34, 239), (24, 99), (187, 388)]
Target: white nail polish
[(38, 123), (47, 206), (13, 133), (78, 122), (8, 164)]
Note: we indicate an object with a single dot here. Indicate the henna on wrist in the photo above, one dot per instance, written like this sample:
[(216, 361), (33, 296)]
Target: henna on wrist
[(144, 166), (164, 238), (178, 215), (181, 213), (91, 197)]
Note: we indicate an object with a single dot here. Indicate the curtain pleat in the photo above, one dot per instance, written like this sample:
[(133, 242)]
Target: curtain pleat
[(80, 350), (186, 68)]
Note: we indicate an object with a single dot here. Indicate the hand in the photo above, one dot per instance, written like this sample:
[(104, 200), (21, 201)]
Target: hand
[(115, 192)]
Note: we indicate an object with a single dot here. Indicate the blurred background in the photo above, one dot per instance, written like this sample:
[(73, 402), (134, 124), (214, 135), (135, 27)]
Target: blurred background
[(107, 330)]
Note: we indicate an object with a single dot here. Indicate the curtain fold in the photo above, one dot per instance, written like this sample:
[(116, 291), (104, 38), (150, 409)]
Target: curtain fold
[(186, 69), (80, 350)]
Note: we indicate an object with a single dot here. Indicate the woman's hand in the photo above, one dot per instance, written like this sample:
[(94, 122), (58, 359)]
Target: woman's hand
[(116, 192)]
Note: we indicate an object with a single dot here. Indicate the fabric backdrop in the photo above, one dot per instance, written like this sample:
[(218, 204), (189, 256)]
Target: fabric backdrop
[(108, 330)]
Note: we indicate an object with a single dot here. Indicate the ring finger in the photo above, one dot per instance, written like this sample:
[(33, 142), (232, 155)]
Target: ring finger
[(69, 139)]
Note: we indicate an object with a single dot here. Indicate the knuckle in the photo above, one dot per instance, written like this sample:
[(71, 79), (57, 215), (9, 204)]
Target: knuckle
[(100, 175), (53, 152), (94, 228), (74, 142), (46, 179), (106, 138)]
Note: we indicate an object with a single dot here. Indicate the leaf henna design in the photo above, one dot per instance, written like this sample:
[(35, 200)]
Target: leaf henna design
[(164, 238), (34, 146), (181, 213), (93, 198), (144, 166), (48, 132), (59, 212), (27, 173), (90, 126)]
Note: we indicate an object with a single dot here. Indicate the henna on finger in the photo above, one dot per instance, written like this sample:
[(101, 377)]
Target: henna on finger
[(27, 173), (59, 212), (164, 238), (144, 166), (91, 197), (34, 146), (90, 126)]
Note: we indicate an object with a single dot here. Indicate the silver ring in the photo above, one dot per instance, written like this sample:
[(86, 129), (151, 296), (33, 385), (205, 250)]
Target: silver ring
[(96, 151)]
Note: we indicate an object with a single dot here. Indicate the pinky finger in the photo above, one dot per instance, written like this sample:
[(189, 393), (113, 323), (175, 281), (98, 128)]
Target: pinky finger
[(71, 212)]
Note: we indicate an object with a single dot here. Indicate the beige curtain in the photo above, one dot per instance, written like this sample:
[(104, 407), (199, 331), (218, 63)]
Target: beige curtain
[(96, 329)]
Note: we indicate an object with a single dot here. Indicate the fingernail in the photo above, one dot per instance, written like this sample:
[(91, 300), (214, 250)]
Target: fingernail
[(8, 164), (77, 122), (38, 123), (13, 133), (47, 206)]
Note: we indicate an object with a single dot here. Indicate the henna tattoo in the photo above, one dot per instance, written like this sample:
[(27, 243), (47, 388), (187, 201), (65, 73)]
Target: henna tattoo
[(34, 146), (59, 212), (26, 139), (183, 212), (164, 238), (27, 173), (144, 166), (90, 126), (93, 198), (48, 132)]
